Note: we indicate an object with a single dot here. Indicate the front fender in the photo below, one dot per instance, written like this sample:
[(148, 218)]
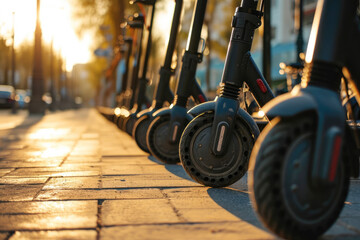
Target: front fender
[(144, 112), (330, 126), (241, 114), (161, 112), (168, 111), (249, 121), (201, 108), (289, 105)]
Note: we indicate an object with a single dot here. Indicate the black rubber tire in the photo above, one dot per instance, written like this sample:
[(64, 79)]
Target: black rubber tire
[(157, 141), (279, 187), (120, 121), (123, 122), (130, 123), (203, 166), (116, 119), (140, 130)]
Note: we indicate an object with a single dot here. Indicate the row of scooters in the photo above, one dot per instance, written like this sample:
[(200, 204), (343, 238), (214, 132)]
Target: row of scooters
[(298, 183)]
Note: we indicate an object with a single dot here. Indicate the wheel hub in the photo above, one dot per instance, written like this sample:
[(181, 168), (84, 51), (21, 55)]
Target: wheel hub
[(205, 161), (306, 204), (162, 143)]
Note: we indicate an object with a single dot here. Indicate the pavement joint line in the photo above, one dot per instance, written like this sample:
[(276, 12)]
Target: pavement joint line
[(176, 211), (52, 200), (99, 218), (125, 175), (46, 230), (37, 194), (51, 177), (349, 227), (168, 223), (27, 184), (10, 172), (67, 155), (123, 156), (129, 188)]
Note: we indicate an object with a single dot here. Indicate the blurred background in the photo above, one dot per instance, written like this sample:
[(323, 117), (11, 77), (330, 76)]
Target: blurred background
[(77, 62)]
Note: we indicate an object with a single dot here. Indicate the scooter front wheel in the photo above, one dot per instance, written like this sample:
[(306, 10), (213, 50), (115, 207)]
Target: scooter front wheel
[(158, 140), (139, 132), (279, 182), (205, 167), (129, 123)]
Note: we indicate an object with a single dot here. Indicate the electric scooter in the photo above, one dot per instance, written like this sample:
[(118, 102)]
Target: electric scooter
[(127, 43), (125, 48), (163, 135), (135, 22), (301, 164), (216, 145), (162, 93), (140, 98)]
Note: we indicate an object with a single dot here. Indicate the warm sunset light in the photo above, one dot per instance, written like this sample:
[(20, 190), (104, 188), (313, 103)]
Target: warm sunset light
[(56, 24)]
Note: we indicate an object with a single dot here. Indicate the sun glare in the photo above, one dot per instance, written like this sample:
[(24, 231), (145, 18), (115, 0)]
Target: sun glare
[(163, 19), (56, 25)]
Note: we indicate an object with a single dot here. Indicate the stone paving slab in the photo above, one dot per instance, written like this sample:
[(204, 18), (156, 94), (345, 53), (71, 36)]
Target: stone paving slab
[(74, 175), (26, 172), (213, 231), (81, 160), (19, 192), (49, 207), (29, 164), (136, 182), (22, 181), (79, 194), (128, 160), (133, 169), (47, 221), (55, 235), (73, 182), (140, 211)]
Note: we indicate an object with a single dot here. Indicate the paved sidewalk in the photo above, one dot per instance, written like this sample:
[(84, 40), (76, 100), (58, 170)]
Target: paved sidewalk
[(74, 175)]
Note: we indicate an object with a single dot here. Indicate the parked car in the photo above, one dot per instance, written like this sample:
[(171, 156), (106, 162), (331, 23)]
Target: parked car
[(7, 96), (22, 98)]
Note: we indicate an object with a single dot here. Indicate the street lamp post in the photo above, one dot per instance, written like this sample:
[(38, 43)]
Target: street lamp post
[(37, 105), (13, 62), (52, 79)]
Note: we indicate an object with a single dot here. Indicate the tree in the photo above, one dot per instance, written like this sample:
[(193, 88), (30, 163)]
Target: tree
[(4, 61), (103, 18), (208, 22)]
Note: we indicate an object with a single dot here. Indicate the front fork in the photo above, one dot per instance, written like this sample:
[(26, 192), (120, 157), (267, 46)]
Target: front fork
[(239, 68), (188, 86)]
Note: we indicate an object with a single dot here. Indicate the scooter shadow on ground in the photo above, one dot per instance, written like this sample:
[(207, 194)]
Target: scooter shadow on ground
[(236, 202), (175, 169), (235, 199)]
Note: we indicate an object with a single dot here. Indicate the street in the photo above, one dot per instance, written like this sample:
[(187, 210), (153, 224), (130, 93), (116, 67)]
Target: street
[(73, 175)]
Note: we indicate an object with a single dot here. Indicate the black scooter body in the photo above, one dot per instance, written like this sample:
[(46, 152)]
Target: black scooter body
[(162, 92), (309, 139), (164, 132), (127, 42), (140, 97), (136, 22), (229, 132)]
